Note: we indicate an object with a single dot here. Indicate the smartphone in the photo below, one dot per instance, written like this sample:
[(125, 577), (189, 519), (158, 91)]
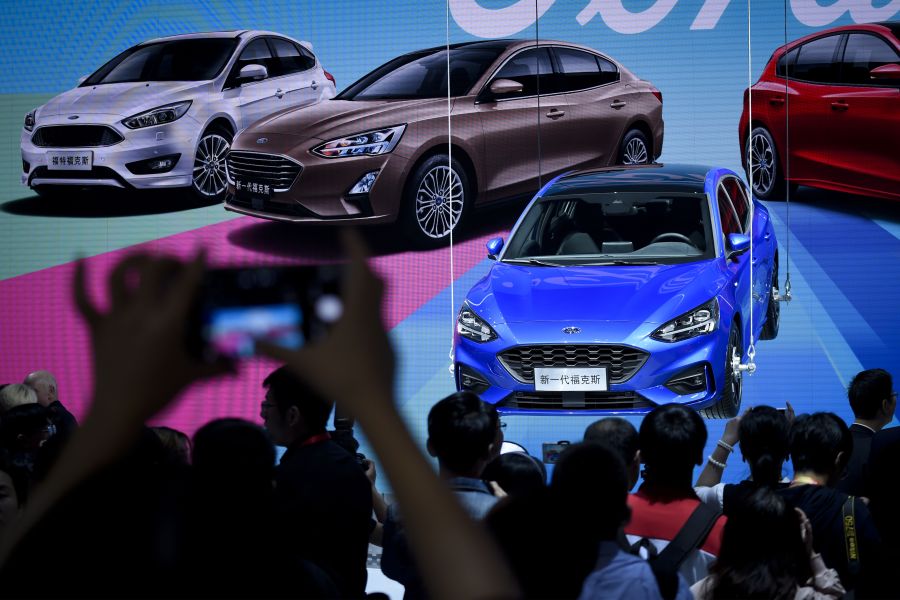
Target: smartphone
[(551, 452), (287, 306)]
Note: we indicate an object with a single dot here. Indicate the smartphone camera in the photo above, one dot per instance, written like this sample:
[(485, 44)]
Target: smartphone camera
[(286, 306)]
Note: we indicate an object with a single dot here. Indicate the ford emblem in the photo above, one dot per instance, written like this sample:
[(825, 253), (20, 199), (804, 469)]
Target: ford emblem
[(571, 330), (262, 140), (73, 117)]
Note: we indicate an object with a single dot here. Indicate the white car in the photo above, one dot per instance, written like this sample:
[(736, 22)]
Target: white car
[(162, 114)]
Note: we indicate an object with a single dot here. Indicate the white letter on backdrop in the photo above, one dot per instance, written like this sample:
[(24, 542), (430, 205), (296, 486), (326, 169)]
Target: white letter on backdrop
[(497, 22)]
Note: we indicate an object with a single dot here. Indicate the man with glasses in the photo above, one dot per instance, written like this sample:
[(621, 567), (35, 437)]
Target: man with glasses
[(873, 402)]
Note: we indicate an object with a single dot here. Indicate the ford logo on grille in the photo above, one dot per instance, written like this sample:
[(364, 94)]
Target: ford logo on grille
[(73, 117), (262, 140), (571, 330)]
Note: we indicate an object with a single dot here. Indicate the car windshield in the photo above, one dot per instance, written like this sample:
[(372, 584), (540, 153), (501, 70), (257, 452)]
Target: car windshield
[(422, 75), (198, 59), (629, 228)]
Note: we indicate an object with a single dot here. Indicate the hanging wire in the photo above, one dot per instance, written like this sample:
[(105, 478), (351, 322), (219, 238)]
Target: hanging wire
[(750, 367), (787, 162), (537, 70), (450, 186)]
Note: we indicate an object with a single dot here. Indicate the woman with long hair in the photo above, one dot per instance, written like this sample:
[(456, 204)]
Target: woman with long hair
[(767, 552)]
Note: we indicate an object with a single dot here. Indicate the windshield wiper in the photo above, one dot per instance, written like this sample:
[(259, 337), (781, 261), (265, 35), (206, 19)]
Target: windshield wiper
[(643, 263), (532, 261)]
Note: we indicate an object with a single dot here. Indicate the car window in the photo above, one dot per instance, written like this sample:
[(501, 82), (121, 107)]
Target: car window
[(739, 200), (291, 58), (862, 54), (256, 52), (816, 61), (785, 65), (532, 68), (604, 228), (582, 70), (728, 216), (180, 60)]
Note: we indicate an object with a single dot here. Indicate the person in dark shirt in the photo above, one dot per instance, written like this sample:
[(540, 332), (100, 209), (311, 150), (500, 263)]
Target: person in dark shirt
[(820, 447), (44, 383), (873, 402), (618, 434), (323, 500)]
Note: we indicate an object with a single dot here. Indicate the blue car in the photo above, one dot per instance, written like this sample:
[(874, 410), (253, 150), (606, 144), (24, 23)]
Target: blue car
[(621, 289)]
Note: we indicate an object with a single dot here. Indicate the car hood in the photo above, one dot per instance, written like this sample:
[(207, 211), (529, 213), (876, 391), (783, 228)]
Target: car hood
[(642, 294), (123, 99), (338, 118)]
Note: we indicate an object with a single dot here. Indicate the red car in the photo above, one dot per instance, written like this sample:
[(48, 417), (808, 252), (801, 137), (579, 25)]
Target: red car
[(826, 113)]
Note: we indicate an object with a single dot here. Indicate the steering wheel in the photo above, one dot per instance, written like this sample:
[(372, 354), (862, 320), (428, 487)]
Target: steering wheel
[(671, 234)]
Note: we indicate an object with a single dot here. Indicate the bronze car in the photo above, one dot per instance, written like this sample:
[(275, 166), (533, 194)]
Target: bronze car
[(386, 150)]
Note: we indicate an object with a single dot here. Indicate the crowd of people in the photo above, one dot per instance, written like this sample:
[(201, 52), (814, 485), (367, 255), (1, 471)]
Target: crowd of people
[(112, 507)]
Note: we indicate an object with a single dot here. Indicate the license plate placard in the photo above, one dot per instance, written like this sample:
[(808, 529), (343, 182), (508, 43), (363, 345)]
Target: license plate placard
[(570, 379), (70, 161), (252, 188)]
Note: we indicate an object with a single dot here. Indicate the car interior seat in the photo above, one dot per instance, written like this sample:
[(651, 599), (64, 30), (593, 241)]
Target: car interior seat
[(578, 242)]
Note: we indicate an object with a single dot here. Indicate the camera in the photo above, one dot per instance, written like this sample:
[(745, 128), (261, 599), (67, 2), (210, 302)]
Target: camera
[(286, 306)]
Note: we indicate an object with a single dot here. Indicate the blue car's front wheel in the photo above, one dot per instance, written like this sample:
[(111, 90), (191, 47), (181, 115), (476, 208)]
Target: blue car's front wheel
[(730, 400)]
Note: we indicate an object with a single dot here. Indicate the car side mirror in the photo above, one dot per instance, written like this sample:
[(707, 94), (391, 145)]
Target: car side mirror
[(738, 243), (253, 73), (500, 87), (494, 247), (890, 72)]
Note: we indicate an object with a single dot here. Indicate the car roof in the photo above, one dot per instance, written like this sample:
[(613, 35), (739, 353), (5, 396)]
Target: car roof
[(637, 178), (884, 27), (503, 44), (233, 33)]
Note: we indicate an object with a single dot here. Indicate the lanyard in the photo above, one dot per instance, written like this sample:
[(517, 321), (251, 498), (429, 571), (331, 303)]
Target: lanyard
[(319, 437)]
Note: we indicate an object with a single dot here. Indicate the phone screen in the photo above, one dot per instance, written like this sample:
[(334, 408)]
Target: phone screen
[(233, 331)]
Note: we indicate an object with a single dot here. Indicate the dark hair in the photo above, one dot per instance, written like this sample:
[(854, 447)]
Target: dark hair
[(461, 429), (764, 433), (24, 419), (235, 449), (17, 473), (817, 439), (288, 390), (590, 484), (617, 434), (516, 472), (767, 566), (176, 443), (672, 438), (867, 390)]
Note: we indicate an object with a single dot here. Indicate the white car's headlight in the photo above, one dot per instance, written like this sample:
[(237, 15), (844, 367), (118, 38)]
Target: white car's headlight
[(371, 143), (700, 321), (30, 120), (472, 327), (158, 116)]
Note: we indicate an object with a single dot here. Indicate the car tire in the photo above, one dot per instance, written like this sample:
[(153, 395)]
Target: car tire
[(634, 149), (773, 312), (729, 403), (767, 178), (427, 213), (209, 179)]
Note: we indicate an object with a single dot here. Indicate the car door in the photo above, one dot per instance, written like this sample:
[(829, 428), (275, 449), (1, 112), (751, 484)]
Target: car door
[(253, 100), (597, 109), (739, 266), (763, 259), (514, 125), (812, 105), (297, 76), (866, 126)]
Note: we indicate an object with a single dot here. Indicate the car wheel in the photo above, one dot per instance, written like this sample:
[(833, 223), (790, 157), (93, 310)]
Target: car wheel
[(436, 202), (766, 176), (634, 149), (773, 312), (210, 180), (730, 400)]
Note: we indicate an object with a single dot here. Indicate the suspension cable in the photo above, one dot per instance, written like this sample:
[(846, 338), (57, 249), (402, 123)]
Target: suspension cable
[(751, 350), (787, 162), (450, 185)]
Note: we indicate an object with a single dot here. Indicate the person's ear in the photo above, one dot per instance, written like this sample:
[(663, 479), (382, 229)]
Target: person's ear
[(840, 461), (430, 447), (293, 416), (52, 393)]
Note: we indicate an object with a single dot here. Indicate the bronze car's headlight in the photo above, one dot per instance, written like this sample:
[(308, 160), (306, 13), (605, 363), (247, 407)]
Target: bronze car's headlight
[(368, 143), (700, 321)]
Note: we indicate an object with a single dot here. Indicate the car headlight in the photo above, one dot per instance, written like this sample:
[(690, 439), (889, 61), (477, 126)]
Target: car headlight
[(472, 327), (700, 321), (29, 121), (157, 116), (378, 141)]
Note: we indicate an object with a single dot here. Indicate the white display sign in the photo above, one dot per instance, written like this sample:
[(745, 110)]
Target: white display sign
[(70, 161), (570, 379)]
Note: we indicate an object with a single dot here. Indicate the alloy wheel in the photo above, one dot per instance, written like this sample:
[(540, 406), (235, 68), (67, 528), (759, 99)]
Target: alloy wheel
[(210, 176), (762, 166), (439, 201), (635, 152)]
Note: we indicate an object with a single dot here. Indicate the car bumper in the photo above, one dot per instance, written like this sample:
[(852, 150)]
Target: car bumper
[(638, 393), (114, 165), (321, 190)]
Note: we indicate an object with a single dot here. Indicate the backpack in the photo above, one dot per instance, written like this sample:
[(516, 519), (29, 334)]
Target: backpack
[(665, 564)]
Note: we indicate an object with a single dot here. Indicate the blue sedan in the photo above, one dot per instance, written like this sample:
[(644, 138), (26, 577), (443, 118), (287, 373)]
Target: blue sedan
[(621, 289)]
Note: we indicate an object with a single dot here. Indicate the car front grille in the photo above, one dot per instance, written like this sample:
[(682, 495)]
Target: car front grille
[(621, 362), (75, 136), (278, 172), (575, 401)]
